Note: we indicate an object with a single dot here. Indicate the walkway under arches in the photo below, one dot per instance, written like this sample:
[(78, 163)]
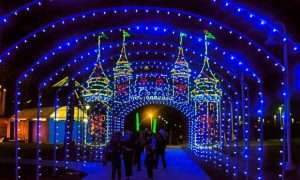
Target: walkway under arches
[(180, 167), (169, 118), (186, 109)]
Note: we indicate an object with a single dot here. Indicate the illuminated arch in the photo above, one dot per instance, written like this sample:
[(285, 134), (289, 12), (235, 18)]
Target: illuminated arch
[(68, 44)]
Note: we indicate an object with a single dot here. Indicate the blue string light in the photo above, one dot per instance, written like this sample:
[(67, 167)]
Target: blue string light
[(206, 153)]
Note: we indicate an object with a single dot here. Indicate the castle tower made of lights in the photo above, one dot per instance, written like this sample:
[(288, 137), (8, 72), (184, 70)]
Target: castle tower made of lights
[(181, 76), (97, 94), (122, 75), (206, 96)]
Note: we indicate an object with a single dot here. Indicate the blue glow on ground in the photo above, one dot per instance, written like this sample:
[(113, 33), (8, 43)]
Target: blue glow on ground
[(179, 167)]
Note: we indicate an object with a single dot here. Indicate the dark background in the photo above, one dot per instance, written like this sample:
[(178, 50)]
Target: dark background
[(274, 10)]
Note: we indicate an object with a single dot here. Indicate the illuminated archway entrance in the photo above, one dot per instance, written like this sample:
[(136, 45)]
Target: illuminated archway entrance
[(161, 117)]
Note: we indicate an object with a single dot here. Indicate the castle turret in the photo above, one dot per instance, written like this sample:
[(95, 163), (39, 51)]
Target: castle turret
[(180, 75), (206, 96), (206, 83), (98, 85), (122, 74)]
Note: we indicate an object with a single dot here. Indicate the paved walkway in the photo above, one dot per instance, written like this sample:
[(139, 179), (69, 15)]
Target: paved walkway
[(179, 167)]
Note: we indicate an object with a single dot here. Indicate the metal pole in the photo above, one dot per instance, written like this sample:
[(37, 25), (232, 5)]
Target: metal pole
[(220, 121), (245, 124), (16, 133), (38, 136), (231, 117), (289, 165), (242, 100), (55, 128), (206, 124)]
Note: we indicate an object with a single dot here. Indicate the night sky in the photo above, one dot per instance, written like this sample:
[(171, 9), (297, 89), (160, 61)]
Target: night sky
[(22, 25)]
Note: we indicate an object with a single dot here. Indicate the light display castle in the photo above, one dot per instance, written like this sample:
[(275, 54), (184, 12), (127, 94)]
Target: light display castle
[(222, 125), (199, 101)]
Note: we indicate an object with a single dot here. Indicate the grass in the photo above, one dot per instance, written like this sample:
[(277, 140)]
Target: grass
[(28, 171), (7, 171), (270, 166), (28, 151)]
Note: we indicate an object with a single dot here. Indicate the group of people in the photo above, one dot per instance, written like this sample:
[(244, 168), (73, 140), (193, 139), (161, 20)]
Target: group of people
[(130, 148)]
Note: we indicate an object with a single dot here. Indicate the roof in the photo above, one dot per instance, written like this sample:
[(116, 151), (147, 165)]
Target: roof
[(181, 65), (46, 113), (206, 72), (31, 113)]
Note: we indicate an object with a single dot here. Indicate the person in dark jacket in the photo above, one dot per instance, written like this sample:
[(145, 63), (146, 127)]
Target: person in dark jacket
[(116, 151), (150, 154), (138, 150), (128, 145), (160, 150)]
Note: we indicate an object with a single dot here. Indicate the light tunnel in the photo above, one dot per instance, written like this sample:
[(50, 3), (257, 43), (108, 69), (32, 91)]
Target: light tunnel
[(163, 52), (119, 122)]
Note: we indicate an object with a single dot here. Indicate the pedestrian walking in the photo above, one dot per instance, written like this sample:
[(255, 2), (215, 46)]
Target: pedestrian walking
[(138, 150), (160, 150), (150, 154), (115, 149), (128, 145)]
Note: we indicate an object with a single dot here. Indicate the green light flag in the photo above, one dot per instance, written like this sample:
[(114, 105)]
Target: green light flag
[(103, 36), (209, 35), (125, 35), (182, 35)]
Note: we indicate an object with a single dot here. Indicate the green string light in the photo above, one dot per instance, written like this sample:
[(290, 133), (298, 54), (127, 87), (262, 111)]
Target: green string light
[(154, 125), (137, 121)]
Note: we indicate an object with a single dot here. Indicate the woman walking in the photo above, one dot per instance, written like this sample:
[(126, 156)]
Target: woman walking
[(116, 150), (139, 147), (150, 154), (128, 143), (160, 150)]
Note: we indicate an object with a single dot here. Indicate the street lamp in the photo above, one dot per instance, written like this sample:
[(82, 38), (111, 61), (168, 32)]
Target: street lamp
[(151, 119), (280, 116)]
